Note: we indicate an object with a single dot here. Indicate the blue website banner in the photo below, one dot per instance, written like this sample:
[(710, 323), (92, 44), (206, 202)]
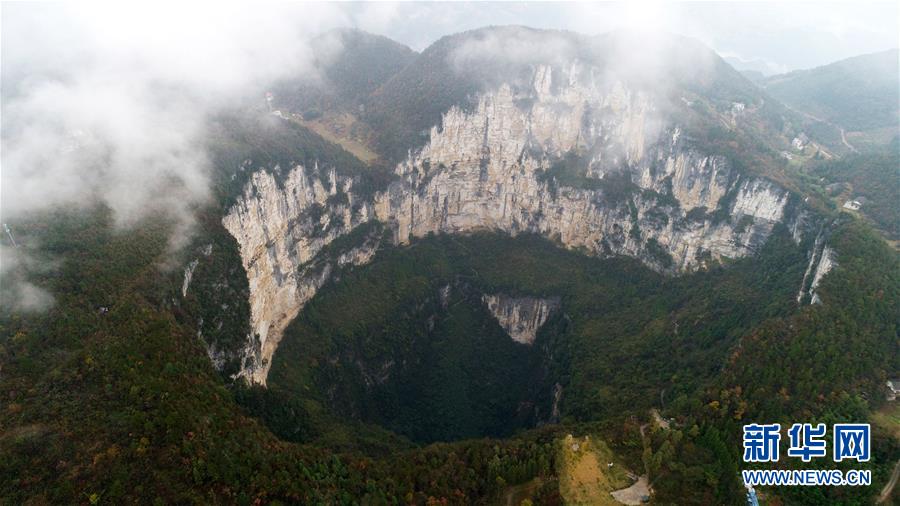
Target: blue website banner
[(806, 442)]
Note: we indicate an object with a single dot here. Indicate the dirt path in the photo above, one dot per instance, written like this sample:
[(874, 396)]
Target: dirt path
[(658, 419), (634, 494), (844, 139), (886, 491), (645, 444)]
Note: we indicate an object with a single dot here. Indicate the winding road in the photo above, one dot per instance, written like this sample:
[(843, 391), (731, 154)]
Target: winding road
[(886, 491), (844, 138), (810, 116)]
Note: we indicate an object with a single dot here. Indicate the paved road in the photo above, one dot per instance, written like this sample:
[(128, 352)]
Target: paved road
[(810, 116), (886, 491)]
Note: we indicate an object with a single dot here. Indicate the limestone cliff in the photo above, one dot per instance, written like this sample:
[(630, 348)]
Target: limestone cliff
[(491, 168), (642, 188), (281, 227), (822, 259), (188, 275), (827, 261), (521, 317)]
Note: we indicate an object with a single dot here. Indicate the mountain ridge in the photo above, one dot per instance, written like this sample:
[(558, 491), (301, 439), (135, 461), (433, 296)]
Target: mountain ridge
[(857, 93), (632, 182)]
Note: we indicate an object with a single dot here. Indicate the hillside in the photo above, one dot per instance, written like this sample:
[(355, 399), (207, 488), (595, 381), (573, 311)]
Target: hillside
[(129, 396), (113, 390), (858, 94), (456, 68), (872, 179), (351, 64)]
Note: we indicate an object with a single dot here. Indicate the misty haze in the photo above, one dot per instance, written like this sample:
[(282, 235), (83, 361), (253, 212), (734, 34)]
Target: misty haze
[(450, 253)]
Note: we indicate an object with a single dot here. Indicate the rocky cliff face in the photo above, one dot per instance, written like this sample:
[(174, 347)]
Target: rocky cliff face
[(281, 227), (822, 259), (521, 317), (642, 190), (826, 263), (492, 168)]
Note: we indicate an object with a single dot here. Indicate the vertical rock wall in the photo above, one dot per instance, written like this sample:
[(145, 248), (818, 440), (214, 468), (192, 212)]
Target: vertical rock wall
[(492, 168)]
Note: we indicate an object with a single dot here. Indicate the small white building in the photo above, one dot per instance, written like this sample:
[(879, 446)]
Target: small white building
[(893, 386), (852, 205)]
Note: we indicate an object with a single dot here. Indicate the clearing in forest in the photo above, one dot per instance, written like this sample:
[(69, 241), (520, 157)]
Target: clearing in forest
[(342, 129), (585, 476)]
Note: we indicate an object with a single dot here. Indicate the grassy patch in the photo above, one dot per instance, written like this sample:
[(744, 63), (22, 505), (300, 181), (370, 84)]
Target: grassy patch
[(888, 419), (585, 476)]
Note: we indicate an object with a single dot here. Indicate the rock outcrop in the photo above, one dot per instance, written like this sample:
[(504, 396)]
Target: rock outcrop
[(822, 259), (521, 317), (281, 227), (826, 262), (188, 276), (578, 159), (492, 169)]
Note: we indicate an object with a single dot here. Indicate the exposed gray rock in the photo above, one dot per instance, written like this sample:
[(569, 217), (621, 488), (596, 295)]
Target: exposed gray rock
[(521, 317), (826, 263), (483, 170), (188, 275), (822, 259), (487, 169), (280, 228)]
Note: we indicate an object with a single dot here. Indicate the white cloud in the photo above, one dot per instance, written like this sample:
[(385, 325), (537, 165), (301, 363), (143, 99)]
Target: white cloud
[(109, 102), (513, 46), (16, 292)]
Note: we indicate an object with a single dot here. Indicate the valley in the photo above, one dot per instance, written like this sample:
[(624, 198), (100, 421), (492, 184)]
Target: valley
[(469, 275), (392, 365), (339, 130)]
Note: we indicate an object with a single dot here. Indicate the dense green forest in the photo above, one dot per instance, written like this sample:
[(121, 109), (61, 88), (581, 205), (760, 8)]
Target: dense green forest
[(126, 405), (378, 344), (873, 177), (824, 363)]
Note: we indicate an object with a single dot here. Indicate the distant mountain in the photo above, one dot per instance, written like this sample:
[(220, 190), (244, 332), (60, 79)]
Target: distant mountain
[(754, 75), (858, 94), (690, 78), (757, 65), (366, 61), (352, 64)]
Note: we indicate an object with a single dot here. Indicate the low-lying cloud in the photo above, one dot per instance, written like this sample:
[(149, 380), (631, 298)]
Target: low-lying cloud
[(109, 104), (18, 293), (514, 46)]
